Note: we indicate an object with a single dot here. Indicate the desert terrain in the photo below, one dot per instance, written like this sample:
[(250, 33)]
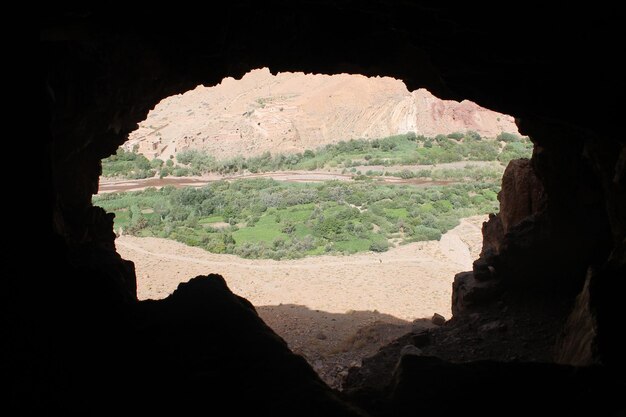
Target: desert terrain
[(334, 310)]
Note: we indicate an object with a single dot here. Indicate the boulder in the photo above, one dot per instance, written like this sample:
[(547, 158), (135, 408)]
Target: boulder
[(438, 319), (468, 292), (421, 339), (411, 350)]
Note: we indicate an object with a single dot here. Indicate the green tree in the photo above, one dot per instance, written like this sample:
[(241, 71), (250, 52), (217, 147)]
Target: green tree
[(328, 227)]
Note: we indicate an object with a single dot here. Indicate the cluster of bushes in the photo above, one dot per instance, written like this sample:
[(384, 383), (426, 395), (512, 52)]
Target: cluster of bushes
[(129, 165), (467, 173), (262, 218), (406, 149)]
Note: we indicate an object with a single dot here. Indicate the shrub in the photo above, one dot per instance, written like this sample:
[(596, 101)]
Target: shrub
[(456, 135), (515, 150), (472, 135), (508, 137), (288, 228), (379, 246), (421, 233), (406, 174), (328, 227), (180, 172)]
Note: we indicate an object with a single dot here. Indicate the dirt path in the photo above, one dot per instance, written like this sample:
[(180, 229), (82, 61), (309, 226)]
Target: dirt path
[(334, 310)]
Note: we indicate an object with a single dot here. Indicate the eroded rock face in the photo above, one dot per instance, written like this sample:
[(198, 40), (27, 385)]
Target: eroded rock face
[(521, 202), (521, 197), (558, 220), (290, 112), (521, 194)]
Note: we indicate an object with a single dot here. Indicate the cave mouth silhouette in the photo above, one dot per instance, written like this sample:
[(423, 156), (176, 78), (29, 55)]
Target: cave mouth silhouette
[(96, 346), (422, 278), (178, 115)]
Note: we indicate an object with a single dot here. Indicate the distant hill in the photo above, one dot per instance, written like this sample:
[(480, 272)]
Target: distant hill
[(291, 112)]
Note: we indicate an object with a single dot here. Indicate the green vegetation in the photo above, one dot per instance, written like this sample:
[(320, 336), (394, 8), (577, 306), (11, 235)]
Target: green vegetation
[(406, 149), (130, 165), (263, 218)]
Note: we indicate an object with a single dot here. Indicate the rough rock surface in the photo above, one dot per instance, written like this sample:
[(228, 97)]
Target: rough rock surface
[(521, 197), (291, 112), (201, 348), (498, 341), (222, 346), (521, 194), (468, 292)]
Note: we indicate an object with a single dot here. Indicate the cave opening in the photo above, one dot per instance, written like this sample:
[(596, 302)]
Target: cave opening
[(340, 205), (558, 240)]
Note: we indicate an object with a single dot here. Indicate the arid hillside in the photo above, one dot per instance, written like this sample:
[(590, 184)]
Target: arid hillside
[(291, 112)]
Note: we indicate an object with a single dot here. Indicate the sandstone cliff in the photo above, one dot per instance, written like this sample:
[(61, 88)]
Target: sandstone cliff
[(291, 112)]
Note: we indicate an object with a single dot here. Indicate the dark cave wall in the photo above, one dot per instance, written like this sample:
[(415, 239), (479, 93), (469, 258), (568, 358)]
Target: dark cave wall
[(102, 70)]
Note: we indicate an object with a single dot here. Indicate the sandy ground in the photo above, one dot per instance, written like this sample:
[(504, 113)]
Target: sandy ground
[(334, 310)]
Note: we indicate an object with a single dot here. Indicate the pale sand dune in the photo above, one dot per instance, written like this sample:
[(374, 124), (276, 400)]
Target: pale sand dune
[(407, 282)]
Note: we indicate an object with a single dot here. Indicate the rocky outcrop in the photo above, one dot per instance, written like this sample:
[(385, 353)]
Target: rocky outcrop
[(521, 197), (485, 353), (521, 200), (217, 344), (202, 349), (290, 112), (469, 292), (521, 194), (552, 228)]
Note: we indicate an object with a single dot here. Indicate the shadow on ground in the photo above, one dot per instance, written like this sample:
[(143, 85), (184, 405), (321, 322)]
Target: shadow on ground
[(333, 342)]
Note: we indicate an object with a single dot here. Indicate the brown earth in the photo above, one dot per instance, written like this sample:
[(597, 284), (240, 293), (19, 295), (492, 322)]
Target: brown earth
[(290, 112), (334, 310)]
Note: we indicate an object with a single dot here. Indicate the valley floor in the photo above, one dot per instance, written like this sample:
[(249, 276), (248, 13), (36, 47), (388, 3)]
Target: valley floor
[(334, 310), (116, 185)]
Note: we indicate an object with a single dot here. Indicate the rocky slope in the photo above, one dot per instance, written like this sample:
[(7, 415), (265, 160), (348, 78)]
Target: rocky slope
[(291, 112)]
